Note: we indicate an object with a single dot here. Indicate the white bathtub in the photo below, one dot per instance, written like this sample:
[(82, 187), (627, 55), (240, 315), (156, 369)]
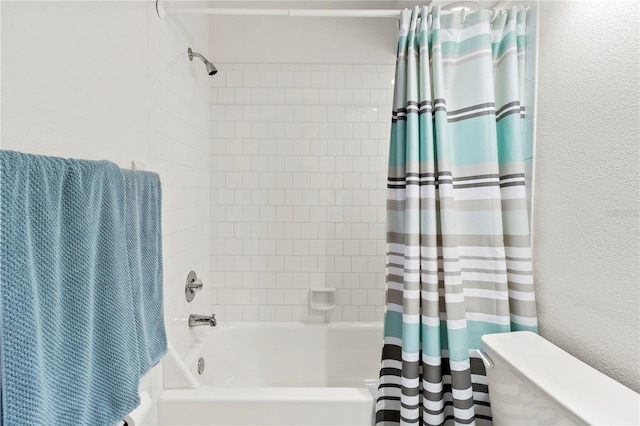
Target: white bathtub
[(273, 373)]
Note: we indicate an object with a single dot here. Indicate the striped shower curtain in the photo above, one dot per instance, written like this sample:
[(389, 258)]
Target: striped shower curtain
[(459, 256)]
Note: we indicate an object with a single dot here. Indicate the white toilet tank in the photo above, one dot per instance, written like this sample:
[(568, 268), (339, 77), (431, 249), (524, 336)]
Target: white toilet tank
[(533, 382)]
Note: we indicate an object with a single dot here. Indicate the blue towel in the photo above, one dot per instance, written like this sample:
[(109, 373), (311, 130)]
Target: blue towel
[(144, 247), (70, 355)]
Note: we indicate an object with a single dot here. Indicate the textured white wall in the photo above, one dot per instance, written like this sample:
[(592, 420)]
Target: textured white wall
[(586, 209), (74, 87)]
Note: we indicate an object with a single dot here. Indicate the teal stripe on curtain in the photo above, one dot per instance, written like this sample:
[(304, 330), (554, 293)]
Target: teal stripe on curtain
[(459, 256)]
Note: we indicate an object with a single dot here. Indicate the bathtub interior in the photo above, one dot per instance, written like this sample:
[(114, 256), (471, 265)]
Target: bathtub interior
[(292, 355), (277, 374)]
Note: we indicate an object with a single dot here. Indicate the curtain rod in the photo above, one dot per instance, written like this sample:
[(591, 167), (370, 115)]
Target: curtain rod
[(344, 13), (338, 13)]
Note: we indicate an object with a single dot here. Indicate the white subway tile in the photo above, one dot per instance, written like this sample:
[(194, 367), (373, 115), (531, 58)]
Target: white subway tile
[(343, 264), (301, 147), (375, 264), (276, 131), (292, 264), (276, 96), (259, 96), (328, 96), (319, 79), (226, 296), (300, 113), (242, 130), (379, 97), (284, 112), (276, 196), (360, 264), (343, 297), (350, 313), (301, 280), (267, 313), (242, 95), (284, 280), (301, 214), (336, 114), (335, 315), (302, 79), (284, 247), (268, 280), (275, 297), (310, 96), (360, 131), (292, 230), (250, 313), (284, 214), (344, 130), (309, 230), (233, 313), (326, 131), (336, 79), (259, 296), (234, 79), (370, 79), (284, 313), (293, 96), (251, 78), (293, 130), (268, 79), (259, 231), (242, 296), (367, 313), (358, 297), (353, 114), (233, 247), (285, 79), (345, 97), (300, 313), (351, 280), (352, 248)]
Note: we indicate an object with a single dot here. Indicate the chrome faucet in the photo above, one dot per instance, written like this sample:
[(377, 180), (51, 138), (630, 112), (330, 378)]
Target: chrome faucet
[(198, 320)]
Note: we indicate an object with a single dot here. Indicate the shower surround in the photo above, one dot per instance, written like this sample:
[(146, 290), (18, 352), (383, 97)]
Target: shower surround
[(298, 177)]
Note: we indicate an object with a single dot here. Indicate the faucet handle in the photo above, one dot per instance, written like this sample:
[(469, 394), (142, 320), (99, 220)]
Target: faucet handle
[(195, 285), (192, 285)]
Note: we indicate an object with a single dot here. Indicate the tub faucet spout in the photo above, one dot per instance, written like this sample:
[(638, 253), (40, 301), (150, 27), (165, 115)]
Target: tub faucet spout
[(198, 320)]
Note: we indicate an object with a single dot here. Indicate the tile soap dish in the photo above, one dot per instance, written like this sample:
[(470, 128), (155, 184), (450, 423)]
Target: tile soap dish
[(322, 299)]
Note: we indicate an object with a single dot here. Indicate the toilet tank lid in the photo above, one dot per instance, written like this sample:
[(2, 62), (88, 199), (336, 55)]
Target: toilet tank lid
[(590, 395)]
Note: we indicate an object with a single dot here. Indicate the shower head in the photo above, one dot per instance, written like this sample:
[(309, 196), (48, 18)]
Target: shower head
[(211, 69)]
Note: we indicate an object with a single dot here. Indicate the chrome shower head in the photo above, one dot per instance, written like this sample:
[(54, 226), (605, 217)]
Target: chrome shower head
[(211, 69)]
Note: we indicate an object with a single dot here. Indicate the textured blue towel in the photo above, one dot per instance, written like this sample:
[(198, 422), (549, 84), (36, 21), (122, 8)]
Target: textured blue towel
[(70, 355), (144, 247)]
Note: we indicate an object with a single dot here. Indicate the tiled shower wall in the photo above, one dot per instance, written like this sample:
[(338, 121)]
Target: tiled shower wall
[(179, 152), (298, 177)]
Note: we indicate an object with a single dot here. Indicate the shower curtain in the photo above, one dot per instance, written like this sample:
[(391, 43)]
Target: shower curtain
[(459, 256)]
